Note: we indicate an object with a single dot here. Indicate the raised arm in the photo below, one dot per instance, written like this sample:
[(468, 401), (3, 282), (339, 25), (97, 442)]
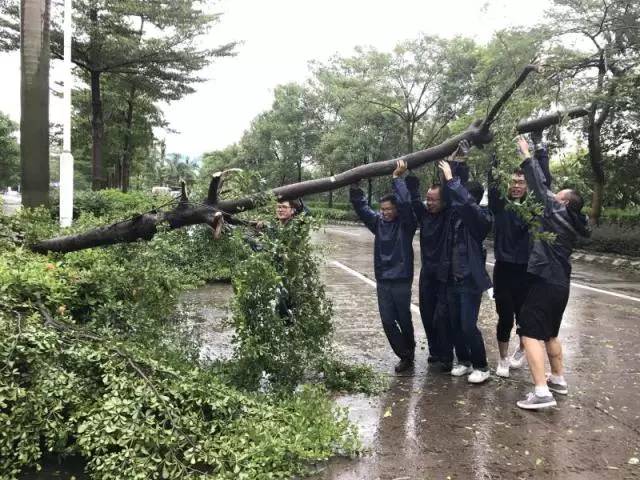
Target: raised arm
[(405, 211), (362, 208), (476, 219), (533, 174), (542, 155), (496, 202), (413, 185)]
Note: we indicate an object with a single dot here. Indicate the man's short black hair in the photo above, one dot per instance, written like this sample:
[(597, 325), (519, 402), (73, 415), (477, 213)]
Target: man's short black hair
[(576, 202), (436, 186), (389, 197), (518, 171), (476, 190)]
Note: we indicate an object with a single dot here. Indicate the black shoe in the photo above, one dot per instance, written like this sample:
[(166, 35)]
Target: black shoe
[(403, 365)]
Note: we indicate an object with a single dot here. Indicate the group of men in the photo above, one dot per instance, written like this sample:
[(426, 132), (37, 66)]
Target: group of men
[(530, 278)]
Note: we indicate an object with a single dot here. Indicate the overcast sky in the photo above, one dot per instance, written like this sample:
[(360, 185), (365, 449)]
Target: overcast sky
[(279, 38)]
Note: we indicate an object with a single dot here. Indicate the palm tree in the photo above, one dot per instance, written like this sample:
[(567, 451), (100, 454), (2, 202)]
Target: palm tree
[(34, 93)]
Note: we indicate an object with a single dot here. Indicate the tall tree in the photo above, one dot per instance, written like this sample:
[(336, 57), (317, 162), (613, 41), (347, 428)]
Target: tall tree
[(34, 98), (420, 81), (155, 41), (606, 32), (281, 140)]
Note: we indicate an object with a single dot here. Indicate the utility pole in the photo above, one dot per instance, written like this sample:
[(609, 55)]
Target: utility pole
[(66, 159)]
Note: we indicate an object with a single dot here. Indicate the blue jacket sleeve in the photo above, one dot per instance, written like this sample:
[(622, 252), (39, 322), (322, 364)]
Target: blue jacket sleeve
[(413, 185), (496, 202), (460, 170), (363, 210), (405, 211), (476, 219), (536, 183), (542, 155)]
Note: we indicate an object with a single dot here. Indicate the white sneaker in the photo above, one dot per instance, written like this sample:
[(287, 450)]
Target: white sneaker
[(502, 370), (518, 358), (479, 376), (460, 370)]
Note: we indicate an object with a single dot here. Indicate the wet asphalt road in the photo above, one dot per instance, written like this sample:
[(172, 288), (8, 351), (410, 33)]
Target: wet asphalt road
[(432, 426)]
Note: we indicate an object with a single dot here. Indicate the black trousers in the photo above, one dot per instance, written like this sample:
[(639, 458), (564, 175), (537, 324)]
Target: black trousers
[(394, 304), (434, 314), (464, 305), (510, 286)]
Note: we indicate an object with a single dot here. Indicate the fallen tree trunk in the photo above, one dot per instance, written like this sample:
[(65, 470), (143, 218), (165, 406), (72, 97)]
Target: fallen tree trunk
[(214, 211), (540, 123)]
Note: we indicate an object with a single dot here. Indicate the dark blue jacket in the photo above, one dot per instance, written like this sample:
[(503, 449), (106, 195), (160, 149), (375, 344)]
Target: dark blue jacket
[(474, 228), (511, 233), (435, 228), (551, 260), (393, 249)]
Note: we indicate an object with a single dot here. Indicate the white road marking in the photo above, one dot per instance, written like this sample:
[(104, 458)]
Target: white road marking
[(367, 280), (597, 290), (342, 232), (415, 308)]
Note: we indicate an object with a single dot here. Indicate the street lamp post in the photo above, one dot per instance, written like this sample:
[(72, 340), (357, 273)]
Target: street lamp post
[(66, 159)]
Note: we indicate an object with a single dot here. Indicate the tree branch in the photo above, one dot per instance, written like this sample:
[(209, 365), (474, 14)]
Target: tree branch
[(540, 123), (214, 211)]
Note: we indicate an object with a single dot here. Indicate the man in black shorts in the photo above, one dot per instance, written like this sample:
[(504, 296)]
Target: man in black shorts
[(549, 270), (511, 248)]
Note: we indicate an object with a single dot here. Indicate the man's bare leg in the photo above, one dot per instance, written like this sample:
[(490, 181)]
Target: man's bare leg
[(554, 352), (556, 381), (534, 350)]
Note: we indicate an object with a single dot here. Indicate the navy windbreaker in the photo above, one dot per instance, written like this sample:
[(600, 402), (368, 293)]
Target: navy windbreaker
[(511, 232), (476, 224), (393, 249)]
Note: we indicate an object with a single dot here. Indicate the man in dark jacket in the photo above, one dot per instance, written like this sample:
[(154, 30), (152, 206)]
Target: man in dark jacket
[(394, 228), (468, 276), (549, 268), (434, 221), (511, 249)]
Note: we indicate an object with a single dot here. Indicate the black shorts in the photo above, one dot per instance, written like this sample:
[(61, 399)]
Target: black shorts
[(541, 313)]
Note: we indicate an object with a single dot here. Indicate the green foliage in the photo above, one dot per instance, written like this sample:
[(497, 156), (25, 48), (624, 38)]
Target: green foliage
[(137, 411), (629, 217), (282, 317), (335, 214), (9, 153), (615, 238), (90, 367), (339, 375), (112, 204)]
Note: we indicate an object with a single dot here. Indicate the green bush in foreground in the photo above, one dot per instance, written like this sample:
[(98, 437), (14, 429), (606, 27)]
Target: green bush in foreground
[(133, 412), (90, 367)]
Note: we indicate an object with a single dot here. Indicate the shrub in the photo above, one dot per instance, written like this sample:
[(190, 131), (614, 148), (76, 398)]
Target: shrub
[(282, 317), (90, 367), (111, 204), (612, 238), (629, 217)]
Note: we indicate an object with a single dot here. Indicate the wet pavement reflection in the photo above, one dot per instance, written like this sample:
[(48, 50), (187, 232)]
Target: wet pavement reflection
[(430, 425)]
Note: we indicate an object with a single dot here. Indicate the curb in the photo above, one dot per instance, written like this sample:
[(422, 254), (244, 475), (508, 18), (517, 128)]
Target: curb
[(585, 256), (606, 259)]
